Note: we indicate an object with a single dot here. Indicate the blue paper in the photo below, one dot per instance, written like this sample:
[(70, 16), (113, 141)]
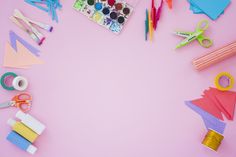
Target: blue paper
[(196, 10), (14, 37), (210, 121), (212, 8)]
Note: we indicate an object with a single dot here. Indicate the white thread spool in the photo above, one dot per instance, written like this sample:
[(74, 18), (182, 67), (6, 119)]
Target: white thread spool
[(20, 83)]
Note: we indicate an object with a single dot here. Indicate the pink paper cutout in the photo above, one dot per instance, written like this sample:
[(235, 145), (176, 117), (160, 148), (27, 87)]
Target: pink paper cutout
[(227, 101), (211, 94), (20, 59), (208, 106)]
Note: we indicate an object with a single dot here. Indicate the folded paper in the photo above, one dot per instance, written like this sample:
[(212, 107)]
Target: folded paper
[(22, 58), (212, 8), (210, 121)]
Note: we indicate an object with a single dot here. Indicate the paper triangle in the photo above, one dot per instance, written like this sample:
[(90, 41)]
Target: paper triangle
[(211, 94), (208, 106), (227, 101), (14, 37), (210, 121), (20, 59), (27, 57), (10, 58)]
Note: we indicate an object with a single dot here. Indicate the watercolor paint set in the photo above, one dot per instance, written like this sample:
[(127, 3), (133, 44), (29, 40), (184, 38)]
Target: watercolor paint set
[(111, 14)]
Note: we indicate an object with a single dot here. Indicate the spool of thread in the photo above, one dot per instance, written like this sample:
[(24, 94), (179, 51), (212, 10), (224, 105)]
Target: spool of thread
[(20, 83), (224, 81), (215, 57), (212, 140)]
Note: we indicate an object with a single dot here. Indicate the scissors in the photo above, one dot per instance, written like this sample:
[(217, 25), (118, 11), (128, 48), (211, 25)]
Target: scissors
[(21, 101), (198, 34)]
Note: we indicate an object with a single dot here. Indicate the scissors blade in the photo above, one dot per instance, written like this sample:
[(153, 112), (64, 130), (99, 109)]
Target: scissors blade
[(183, 34), (6, 104), (189, 39)]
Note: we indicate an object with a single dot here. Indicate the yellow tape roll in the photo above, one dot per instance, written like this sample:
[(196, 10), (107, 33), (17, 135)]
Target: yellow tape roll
[(228, 77)]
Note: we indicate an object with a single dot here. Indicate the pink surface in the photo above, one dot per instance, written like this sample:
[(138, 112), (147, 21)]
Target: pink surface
[(118, 96)]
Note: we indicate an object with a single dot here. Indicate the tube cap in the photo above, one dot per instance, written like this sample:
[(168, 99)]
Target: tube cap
[(20, 115), (11, 122), (31, 149)]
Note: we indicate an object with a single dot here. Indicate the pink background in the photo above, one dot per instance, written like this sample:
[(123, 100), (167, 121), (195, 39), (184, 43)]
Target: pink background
[(118, 96)]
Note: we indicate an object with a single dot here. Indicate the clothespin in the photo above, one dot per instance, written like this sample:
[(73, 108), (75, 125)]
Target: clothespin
[(50, 6), (169, 2), (153, 14), (146, 25), (150, 24), (158, 13)]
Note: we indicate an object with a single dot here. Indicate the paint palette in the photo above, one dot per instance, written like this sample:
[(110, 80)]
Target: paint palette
[(111, 14)]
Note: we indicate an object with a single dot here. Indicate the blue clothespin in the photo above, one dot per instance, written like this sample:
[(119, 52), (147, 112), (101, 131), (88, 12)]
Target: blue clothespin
[(51, 6)]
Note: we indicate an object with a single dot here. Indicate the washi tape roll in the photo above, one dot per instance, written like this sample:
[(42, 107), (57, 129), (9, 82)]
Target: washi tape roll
[(20, 83), (212, 140), (5, 77), (224, 81)]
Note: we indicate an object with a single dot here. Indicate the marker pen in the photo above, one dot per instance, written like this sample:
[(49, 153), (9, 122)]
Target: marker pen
[(20, 142)]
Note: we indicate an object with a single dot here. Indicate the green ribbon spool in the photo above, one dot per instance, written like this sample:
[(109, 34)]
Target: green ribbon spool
[(4, 76)]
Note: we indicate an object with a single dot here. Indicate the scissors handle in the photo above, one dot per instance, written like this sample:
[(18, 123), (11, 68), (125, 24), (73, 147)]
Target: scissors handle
[(23, 101), (202, 25), (204, 41), (24, 107)]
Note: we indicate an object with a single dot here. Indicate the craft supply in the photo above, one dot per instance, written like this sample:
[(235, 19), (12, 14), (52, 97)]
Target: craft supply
[(21, 101), (49, 6), (31, 122), (20, 83), (20, 142), (150, 24), (14, 37), (169, 2), (146, 26), (23, 130), (112, 15), (198, 34), (22, 58), (210, 121), (19, 19), (158, 13), (152, 18), (153, 14), (212, 8), (216, 102), (5, 78), (212, 140), (214, 57), (224, 81)]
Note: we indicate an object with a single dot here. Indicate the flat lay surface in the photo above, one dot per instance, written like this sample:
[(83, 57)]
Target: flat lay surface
[(101, 94)]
